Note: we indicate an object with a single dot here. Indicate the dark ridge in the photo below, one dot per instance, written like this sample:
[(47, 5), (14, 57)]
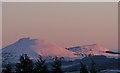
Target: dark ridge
[(112, 52)]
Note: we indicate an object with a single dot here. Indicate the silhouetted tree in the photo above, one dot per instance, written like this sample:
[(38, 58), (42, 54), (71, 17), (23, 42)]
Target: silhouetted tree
[(93, 70), (40, 66), (57, 62), (25, 65), (7, 69), (83, 68), (90, 55)]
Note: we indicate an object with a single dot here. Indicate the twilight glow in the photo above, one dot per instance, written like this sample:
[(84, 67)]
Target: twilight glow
[(66, 24)]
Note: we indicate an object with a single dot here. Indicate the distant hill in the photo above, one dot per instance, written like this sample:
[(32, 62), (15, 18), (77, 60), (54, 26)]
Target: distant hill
[(93, 49)]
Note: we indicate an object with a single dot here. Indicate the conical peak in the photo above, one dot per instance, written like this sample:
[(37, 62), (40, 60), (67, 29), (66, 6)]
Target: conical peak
[(25, 39)]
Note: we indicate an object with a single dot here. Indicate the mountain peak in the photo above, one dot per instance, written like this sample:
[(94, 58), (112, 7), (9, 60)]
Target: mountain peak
[(24, 39), (94, 49), (90, 45), (33, 48)]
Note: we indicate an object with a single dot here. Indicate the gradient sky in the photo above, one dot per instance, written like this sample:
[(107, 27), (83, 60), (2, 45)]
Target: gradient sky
[(66, 24)]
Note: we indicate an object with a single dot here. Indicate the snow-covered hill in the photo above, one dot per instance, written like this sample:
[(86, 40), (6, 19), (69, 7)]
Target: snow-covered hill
[(93, 49), (33, 47), (46, 48)]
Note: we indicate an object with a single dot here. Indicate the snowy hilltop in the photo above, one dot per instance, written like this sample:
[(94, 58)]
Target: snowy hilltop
[(91, 50)]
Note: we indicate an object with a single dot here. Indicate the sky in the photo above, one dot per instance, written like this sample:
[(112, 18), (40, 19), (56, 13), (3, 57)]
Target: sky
[(66, 24), (59, 0)]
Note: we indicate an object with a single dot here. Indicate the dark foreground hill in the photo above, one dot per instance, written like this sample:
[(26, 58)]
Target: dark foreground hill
[(101, 63)]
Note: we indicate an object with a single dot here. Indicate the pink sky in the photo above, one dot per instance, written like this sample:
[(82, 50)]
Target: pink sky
[(66, 24)]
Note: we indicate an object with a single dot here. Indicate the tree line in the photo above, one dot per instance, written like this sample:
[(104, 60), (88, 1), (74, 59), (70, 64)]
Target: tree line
[(26, 65)]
